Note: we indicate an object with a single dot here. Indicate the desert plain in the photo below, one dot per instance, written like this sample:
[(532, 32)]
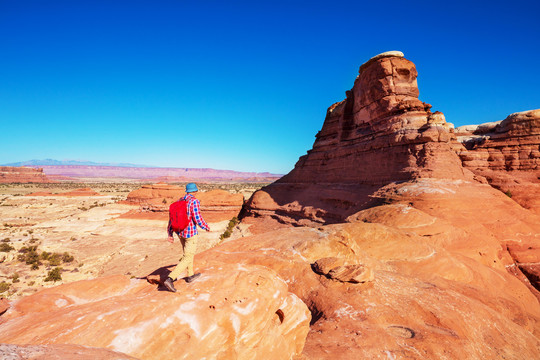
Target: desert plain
[(91, 228)]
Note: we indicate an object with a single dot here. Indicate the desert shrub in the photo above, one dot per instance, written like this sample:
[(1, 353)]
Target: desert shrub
[(55, 259), (508, 193), (31, 283), (6, 239), (54, 274), (45, 255), (5, 247), (67, 258), (30, 256), (15, 278), (230, 226), (4, 286)]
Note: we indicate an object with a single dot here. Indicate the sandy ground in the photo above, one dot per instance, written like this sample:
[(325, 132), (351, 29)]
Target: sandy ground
[(90, 229)]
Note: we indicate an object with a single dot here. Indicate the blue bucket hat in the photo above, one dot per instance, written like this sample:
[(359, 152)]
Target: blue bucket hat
[(191, 187)]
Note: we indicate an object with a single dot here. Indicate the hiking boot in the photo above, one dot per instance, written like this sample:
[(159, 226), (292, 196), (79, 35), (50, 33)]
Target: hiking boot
[(169, 284), (192, 277)]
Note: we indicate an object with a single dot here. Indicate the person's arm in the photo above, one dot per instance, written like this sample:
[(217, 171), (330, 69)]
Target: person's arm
[(198, 217)]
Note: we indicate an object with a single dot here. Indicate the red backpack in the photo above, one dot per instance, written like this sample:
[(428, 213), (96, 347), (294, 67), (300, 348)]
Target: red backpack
[(178, 215)]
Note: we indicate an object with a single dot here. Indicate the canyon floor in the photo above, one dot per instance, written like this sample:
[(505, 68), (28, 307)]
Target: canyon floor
[(88, 232)]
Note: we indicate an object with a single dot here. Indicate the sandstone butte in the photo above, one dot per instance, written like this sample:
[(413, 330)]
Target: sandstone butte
[(11, 174), (385, 242), (216, 205)]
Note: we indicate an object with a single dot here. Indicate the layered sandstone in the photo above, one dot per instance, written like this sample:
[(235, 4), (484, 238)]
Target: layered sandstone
[(11, 174), (507, 154), (380, 133), (216, 205)]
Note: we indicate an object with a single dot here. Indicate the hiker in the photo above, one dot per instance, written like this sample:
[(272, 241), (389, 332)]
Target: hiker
[(188, 237)]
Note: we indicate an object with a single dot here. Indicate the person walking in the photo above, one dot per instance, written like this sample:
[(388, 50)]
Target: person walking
[(188, 237)]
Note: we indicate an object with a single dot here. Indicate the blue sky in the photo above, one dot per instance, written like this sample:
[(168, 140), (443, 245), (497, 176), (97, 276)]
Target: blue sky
[(240, 85)]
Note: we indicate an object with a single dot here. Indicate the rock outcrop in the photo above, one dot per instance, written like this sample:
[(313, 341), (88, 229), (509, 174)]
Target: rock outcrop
[(231, 312), (216, 205), (380, 133), (12, 174), (433, 287), (507, 155)]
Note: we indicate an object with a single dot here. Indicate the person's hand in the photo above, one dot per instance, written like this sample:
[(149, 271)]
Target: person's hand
[(170, 239)]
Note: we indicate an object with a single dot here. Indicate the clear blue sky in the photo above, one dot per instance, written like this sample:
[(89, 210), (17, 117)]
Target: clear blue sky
[(241, 85)]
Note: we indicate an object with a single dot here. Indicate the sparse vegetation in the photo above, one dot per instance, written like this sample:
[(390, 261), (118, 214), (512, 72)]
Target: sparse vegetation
[(508, 193), (4, 286), (5, 247), (230, 226), (15, 278), (54, 275)]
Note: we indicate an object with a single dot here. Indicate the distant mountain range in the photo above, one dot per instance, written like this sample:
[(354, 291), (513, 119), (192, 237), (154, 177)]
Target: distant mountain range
[(73, 169), (52, 162)]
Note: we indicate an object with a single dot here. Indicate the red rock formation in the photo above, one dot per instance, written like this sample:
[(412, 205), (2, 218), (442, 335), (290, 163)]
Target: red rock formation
[(231, 312), (507, 154), (216, 205), (383, 146), (11, 174), (380, 133)]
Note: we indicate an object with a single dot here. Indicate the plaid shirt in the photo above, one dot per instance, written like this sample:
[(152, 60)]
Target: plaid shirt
[(194, 216)]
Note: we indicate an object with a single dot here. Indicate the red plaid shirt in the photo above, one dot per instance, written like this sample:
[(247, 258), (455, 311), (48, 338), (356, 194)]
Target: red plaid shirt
[(194, 216)]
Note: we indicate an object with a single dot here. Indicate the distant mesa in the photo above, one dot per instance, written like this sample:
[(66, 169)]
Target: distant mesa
[(10, 174)]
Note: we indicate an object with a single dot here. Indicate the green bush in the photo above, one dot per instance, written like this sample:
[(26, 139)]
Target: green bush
[(4, 286), (67, 258), (4, 247), (54, 275), (15, 278), (508, 193)]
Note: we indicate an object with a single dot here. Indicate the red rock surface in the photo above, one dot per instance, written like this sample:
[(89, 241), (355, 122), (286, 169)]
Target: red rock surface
[(432, 290), (380, 133), (216, 205), (231, 312), (507, 154), (58, 352), (11, 174)]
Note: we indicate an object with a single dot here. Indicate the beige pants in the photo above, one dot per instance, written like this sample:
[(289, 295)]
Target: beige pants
[(186, 262)]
